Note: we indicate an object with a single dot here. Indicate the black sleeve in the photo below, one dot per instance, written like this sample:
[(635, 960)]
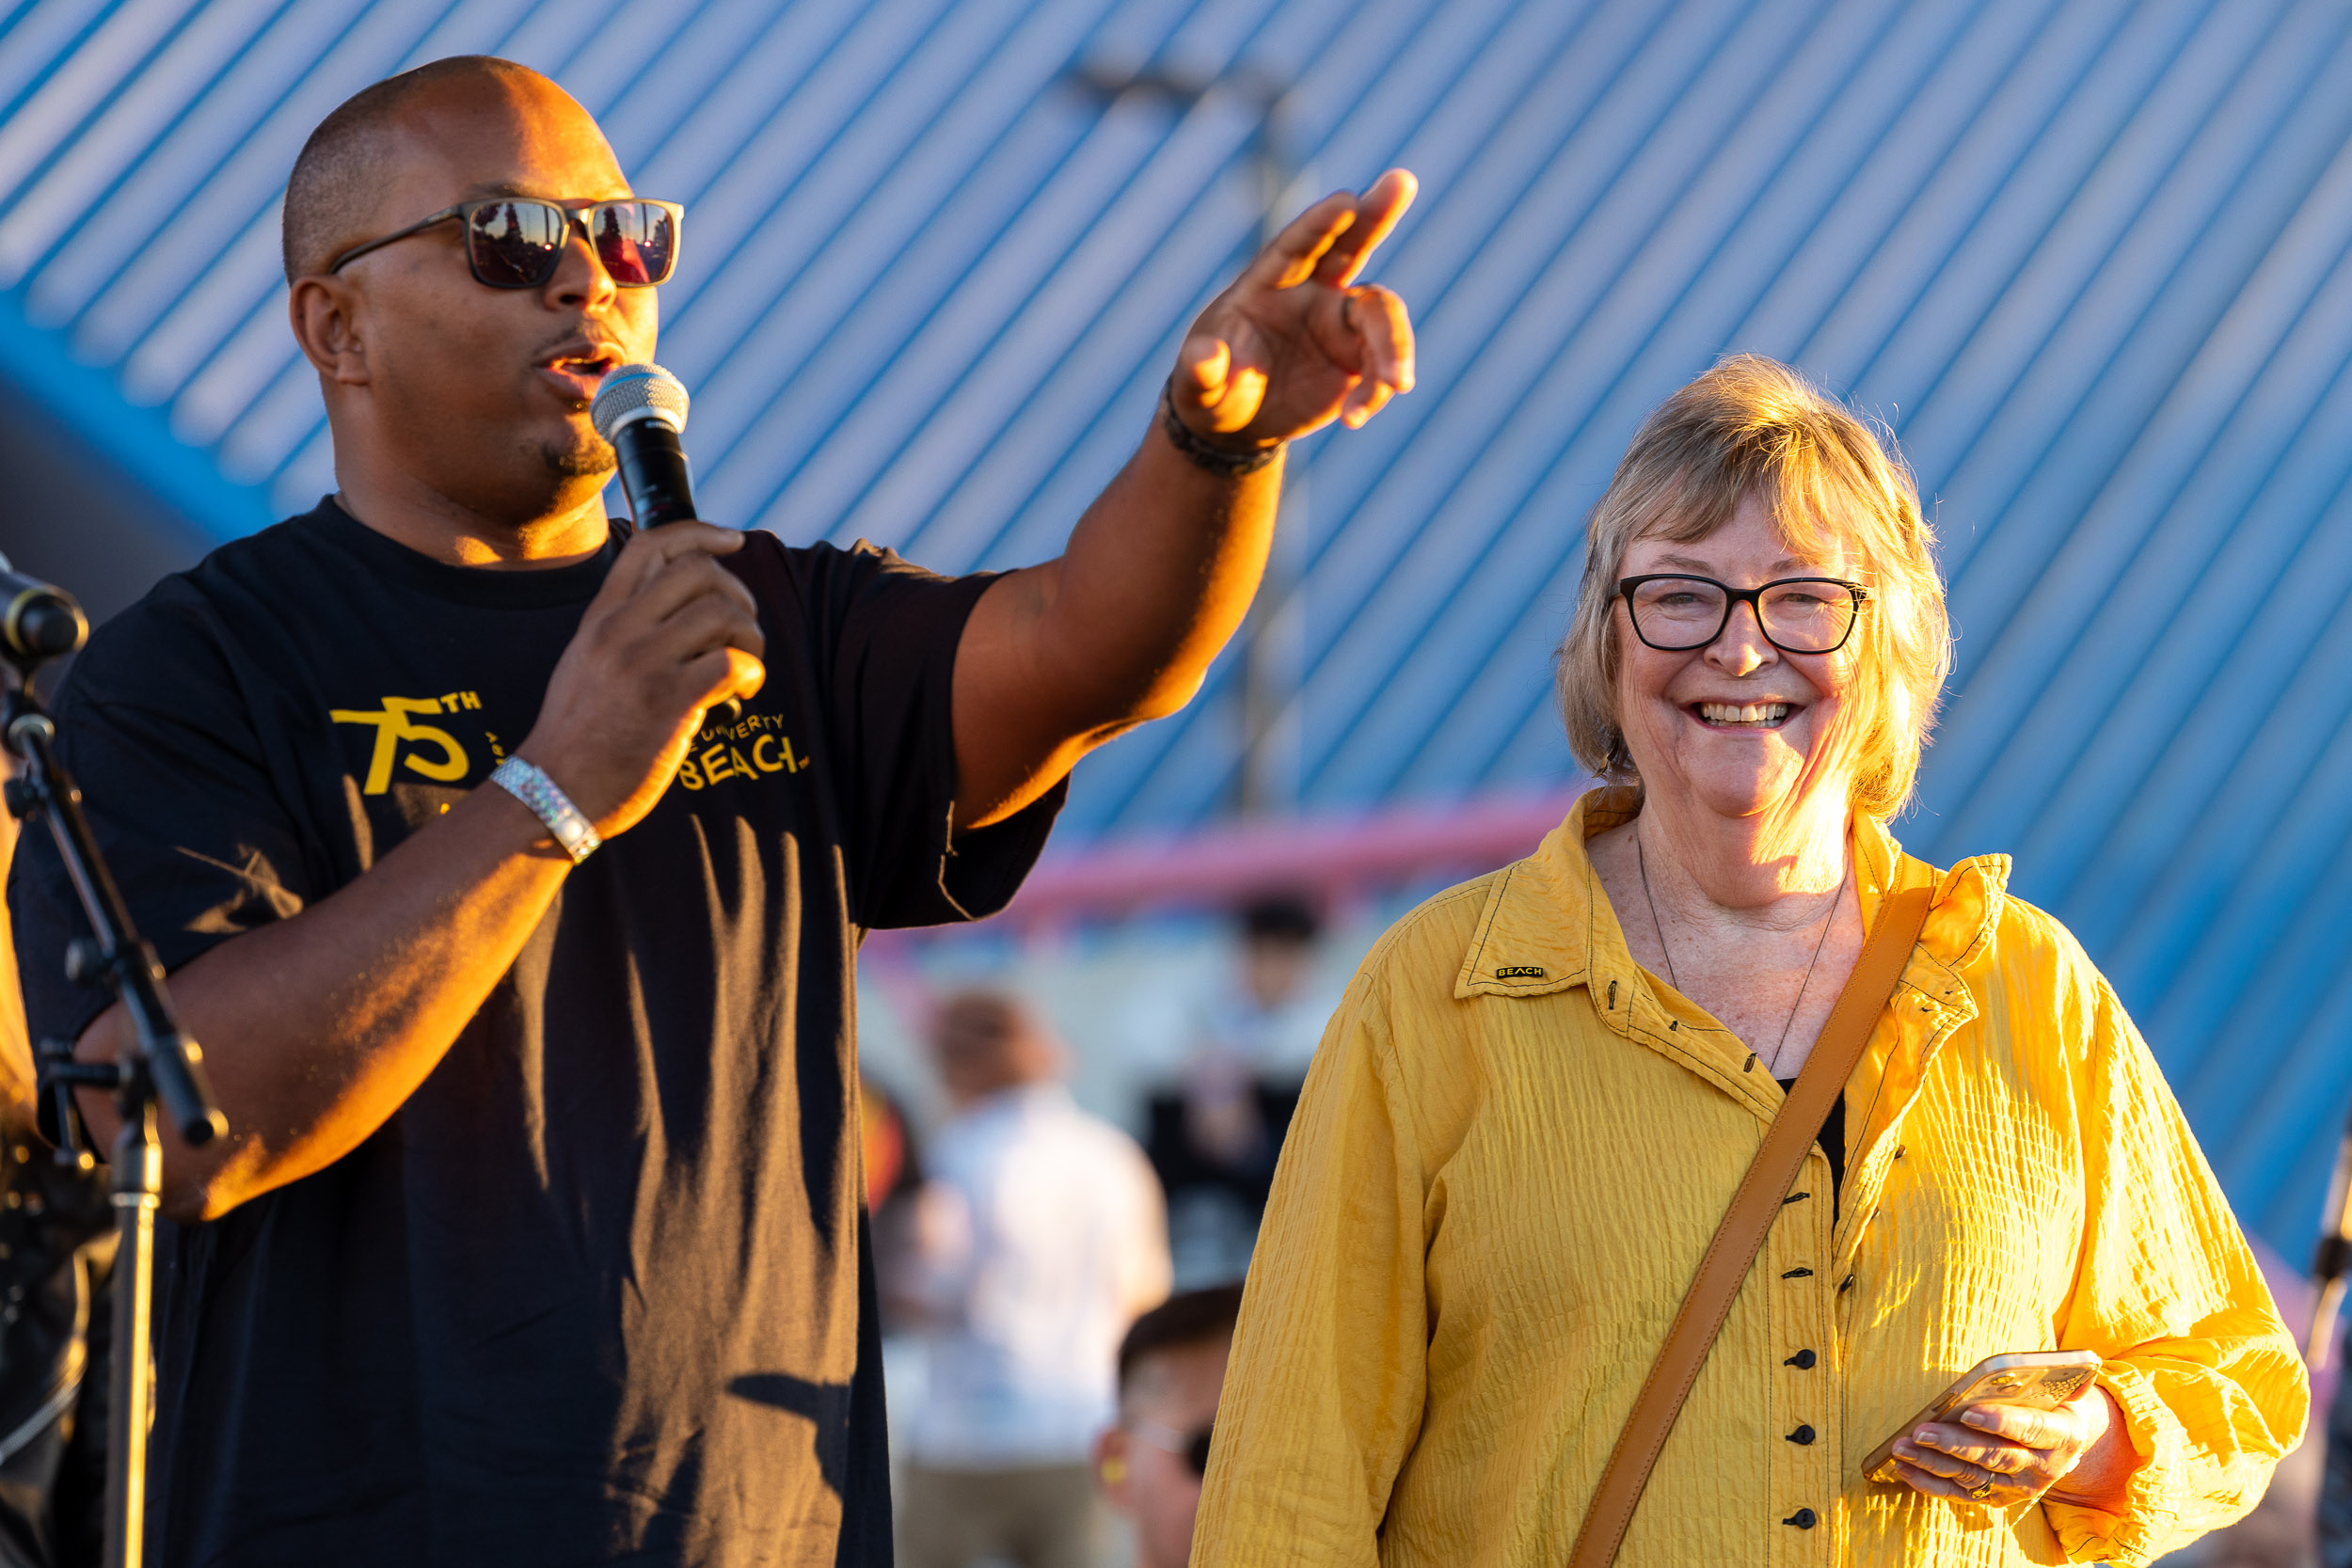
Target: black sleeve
[(180, 798), (885, 635)]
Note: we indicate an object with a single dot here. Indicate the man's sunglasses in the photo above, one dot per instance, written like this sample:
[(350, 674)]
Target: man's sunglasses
[(1190, 1446), (518, 242)]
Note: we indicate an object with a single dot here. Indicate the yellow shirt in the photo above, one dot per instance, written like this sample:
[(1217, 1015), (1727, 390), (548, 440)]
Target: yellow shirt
[(1516, 1143)]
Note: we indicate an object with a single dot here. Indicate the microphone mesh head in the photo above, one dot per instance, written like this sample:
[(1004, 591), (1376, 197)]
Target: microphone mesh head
[(636, 392)]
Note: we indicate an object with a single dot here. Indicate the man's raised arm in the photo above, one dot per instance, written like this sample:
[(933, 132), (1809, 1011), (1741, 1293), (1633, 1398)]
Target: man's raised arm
[(1061, 658)]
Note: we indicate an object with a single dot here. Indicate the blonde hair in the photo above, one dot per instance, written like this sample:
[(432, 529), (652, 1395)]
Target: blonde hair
[(1754, 427)]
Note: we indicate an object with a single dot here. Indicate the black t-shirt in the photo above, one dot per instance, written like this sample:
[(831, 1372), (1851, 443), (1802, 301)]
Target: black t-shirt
[(1183, 1165), (596, 1292)]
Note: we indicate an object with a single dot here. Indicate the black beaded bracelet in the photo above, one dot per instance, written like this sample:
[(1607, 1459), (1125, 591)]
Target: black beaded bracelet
[(1225, 462)]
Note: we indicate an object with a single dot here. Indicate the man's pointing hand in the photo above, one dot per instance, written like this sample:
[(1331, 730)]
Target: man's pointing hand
[(1061, 658), (1296, 342)]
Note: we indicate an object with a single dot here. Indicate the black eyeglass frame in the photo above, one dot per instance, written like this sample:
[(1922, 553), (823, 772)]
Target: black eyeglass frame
[(1733, 598), (577, 219)]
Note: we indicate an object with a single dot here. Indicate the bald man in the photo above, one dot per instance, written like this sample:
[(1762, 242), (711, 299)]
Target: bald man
[(522, 966)]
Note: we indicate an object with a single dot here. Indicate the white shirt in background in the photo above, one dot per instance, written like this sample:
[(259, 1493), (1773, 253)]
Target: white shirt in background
[(1045, 1236)]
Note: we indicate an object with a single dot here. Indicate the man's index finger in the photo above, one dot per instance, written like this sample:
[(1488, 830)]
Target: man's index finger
[(1378, 213), (1292, 255)]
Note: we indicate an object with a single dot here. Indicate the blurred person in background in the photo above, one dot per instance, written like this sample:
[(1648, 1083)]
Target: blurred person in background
[(1216, 1132), (889, 1151), (1171, 1369), (885, 1145), (1544, 1087), (1041, 1237), (2335, 1495), (893, 1164), (1273, 1018)]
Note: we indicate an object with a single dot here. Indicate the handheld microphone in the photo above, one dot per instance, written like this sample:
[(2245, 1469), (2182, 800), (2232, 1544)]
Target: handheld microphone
[(38, 622), (641, 409)]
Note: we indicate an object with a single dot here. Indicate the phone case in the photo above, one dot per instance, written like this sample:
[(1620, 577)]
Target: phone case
[(2039, 1380)]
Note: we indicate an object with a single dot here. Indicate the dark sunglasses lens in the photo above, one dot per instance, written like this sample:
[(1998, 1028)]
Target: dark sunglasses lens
[(1197, 1453), (637, 242), (516, 244)]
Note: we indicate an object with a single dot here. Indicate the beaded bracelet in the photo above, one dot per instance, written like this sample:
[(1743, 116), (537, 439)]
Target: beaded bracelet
[(1225, 462)]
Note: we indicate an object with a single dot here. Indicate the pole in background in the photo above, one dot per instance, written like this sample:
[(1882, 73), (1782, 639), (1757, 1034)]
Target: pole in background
[(1266, 779)]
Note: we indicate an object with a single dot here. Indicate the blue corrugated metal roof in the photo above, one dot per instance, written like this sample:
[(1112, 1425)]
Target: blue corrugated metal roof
[(2089, 257)]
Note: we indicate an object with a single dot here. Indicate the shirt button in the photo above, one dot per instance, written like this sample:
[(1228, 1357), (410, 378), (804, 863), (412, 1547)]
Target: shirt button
[(1802, 1361), (1804, 1518), (1803, 1436)]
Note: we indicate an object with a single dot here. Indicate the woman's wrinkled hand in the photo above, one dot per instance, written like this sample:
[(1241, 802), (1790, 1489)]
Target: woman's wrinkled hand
[(2003, 1455)]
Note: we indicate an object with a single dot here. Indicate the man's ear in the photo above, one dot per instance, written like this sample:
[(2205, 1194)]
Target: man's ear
[(1111, 1454), (328, 314)]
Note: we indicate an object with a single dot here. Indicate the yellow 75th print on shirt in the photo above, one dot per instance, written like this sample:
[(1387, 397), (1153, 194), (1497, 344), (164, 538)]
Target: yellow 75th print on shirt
[(746, 748), (433, 753)]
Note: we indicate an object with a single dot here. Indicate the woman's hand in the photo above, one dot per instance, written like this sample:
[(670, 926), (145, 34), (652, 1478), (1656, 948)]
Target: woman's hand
[(2000, 1454)]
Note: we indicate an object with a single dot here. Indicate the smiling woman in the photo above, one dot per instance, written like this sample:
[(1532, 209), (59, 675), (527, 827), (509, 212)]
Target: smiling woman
[(1751, 435), (1526, 1123)]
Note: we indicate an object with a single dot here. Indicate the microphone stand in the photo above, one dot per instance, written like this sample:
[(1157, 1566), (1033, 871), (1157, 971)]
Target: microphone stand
[(164, 1064)]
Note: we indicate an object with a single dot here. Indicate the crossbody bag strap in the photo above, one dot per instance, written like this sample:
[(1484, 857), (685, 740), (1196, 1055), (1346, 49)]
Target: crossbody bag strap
[(1729, 1257)]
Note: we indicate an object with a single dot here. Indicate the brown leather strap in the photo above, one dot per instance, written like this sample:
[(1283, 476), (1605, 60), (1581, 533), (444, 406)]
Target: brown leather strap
[(1740, 1236)]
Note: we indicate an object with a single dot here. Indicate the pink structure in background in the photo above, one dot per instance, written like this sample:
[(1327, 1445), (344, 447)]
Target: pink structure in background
[(1333, 859)]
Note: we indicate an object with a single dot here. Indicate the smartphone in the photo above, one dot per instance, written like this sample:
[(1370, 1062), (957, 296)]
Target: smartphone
[(2039, 1379)]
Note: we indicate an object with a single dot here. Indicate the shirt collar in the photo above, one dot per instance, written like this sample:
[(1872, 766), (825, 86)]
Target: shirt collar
[(1548, 926)]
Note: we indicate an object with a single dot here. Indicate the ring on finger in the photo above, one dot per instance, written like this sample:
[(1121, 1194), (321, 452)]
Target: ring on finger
[(1982, 1491)]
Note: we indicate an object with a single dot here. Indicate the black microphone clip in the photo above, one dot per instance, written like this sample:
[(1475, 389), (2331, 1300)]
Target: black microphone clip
[(39, 622)]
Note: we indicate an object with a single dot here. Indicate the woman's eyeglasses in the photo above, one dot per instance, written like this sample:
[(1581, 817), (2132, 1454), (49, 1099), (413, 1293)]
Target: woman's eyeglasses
[(1797, 615), (1190, 1446), (518, 242)]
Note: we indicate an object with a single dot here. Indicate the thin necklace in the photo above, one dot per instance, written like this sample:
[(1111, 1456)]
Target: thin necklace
[(1820, 942), (1642, 861)]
